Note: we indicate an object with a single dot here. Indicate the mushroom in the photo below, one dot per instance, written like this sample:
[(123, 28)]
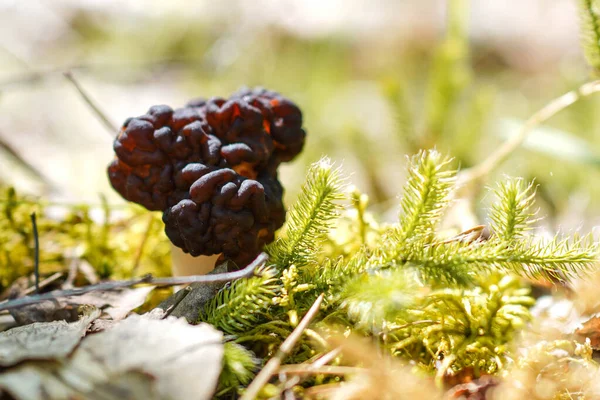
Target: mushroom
[(211, 168)]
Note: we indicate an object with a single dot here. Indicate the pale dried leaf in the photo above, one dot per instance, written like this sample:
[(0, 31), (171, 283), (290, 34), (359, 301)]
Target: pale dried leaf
[(139, 358), (45, 381), (43, 340), (118, 303), (6, 322)]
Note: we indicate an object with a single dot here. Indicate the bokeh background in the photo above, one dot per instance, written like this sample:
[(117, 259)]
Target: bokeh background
[(376, 79)]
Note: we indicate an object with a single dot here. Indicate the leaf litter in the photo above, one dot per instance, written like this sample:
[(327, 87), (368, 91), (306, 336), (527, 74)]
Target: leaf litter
[(139, 358)]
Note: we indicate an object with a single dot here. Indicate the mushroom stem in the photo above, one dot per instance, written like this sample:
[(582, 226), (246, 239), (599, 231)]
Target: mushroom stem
[(185, 265)]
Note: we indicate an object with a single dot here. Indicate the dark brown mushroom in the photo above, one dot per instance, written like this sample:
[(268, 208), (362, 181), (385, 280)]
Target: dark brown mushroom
[(211, 167)]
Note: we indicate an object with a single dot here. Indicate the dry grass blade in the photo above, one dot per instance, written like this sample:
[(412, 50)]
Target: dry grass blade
[(142, 246), (479, 172), (381, 376), (108, 124)]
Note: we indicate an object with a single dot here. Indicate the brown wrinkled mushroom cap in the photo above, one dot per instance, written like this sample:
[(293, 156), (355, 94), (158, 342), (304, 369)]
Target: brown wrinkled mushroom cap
[(211, 167)]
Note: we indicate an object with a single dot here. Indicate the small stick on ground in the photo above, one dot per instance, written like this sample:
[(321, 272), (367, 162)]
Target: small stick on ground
[(148, 279), (43, 283), (286, 347), (36, 239), (108, 124)]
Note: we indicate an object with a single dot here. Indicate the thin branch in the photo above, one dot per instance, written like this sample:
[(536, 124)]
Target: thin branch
[(322, 361), (147, 279), (286, 347), (108, 124), (302, 369), (479, 172), (327, 358), (5, 147), (30, 290), (42, 284), (36, 239)]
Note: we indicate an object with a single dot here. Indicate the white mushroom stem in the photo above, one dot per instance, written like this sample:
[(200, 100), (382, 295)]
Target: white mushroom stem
[(186, 265)]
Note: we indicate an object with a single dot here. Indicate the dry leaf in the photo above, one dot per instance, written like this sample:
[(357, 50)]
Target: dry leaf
[(139, 358), (43, 340), (45, 311), (591, 330), (119, 302), (116, 303), (6, 322)]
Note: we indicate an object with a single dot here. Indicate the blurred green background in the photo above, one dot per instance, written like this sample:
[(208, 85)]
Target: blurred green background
[(376, 79)]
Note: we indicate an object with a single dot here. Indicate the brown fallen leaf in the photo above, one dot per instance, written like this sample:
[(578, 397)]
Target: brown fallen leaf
[(139, 358), (591, 330), (46, 311), (43, 340)]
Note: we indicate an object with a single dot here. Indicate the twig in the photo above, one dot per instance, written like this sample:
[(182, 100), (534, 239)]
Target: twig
[(147, 279), (36, 238), (111, 127), (52, 278), (286, 347), (327, 358), (5, 147), (482, 170), (323, 360), (302, 369)]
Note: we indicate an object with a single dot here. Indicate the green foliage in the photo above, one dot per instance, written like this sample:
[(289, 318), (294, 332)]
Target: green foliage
[(244, 303), (239, 365), (511, 216), (425, 297), (374, 299), (426, 195), (455, 107), (135, 244), (450, 74), (445, 303), (464, 328), (590, 31), (310, 217), (16, 238)]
